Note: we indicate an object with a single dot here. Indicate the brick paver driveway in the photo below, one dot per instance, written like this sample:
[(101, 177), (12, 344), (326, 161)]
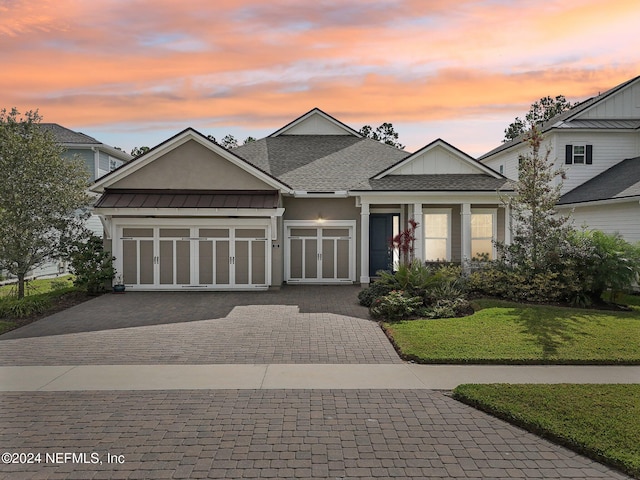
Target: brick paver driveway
[(192, 434), (300, 324)]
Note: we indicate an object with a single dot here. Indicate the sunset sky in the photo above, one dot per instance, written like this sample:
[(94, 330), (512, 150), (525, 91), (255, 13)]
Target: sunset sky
[(135, 72)]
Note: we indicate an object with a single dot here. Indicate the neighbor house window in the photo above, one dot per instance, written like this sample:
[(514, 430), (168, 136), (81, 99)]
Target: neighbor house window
[(578, 154), (483, 233), (437, 235)]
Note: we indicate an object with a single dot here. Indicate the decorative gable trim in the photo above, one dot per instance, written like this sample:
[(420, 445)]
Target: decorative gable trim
[(310, 114), (447, 146), (174, 142)]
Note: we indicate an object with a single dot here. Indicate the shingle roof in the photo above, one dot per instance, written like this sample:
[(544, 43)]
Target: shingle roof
[(320, 163), (437, 183), (620, 181), (64, 135)]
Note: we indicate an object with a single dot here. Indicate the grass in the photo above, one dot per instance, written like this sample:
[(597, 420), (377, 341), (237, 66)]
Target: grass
[(600, 421), (43, 297), (37, 286), (502, 332)]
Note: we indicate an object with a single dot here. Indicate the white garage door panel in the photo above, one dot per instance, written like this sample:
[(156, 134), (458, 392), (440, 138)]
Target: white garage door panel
[(193, 257), (320, 254)]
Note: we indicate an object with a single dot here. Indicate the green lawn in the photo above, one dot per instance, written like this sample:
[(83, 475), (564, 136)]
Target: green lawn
[(511, 333), (40, 285), (601, 421)]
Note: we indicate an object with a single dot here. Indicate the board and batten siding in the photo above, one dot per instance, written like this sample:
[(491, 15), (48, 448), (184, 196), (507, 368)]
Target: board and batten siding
[(624, 104), (87, 156), (610, 218)]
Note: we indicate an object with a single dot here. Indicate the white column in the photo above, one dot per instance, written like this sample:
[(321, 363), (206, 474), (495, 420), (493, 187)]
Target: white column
[(419, 233), (466, 235), (364, 243), (507, 224)]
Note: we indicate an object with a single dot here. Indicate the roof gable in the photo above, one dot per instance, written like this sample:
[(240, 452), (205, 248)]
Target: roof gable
[(438, 158), (316, 122), (619, 103), (211, 157)]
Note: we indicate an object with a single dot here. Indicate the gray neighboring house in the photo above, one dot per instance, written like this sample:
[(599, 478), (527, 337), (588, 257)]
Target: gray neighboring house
[(597, 143), (314, 202), (99, 159)]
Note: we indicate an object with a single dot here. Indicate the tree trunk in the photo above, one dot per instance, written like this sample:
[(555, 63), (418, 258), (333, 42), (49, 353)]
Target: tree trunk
[(21, 285)]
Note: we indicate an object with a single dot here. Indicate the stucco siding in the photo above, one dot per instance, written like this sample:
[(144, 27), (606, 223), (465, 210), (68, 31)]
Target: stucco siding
[(328, 209), (192, 166)]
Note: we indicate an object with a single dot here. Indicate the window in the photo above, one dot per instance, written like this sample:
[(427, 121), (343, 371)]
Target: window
[(501, 169), (483, 232), (578, 154), (437, 235)]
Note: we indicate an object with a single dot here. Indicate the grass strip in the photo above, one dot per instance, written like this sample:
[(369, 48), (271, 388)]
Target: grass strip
[(599, 421)]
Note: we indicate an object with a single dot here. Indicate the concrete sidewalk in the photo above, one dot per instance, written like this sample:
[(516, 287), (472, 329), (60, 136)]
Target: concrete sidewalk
[(296, 376)]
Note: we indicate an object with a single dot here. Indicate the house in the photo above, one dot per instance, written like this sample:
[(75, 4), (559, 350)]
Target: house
[(597, 143), (314, 202), (99, 159)]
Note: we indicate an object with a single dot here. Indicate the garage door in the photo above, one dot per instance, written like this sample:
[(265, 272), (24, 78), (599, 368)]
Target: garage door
[(194, 257), (320, 254)]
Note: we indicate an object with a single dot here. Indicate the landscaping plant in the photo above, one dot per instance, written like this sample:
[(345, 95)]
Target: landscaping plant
[(91, 264)]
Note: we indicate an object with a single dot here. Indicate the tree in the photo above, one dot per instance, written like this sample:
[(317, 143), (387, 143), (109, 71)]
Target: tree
[(137, 151), (41, 194), (538, 231), (544, 109), (385, 133), (249, 139)]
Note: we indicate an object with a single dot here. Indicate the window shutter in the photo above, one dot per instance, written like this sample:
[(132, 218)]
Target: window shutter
[(589, 154), (568, 154)]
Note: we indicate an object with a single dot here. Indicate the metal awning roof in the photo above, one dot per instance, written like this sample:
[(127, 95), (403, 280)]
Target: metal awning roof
[(262, 199)]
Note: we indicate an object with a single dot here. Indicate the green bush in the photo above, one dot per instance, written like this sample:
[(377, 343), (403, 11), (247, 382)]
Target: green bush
[(91, 264), (12, 307), (396, 306), (519, 285), (374, 290), (603, 261)]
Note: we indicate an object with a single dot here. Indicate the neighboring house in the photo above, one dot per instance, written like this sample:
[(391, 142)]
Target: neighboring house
[(99, 159), (314, 202), (597, 143)]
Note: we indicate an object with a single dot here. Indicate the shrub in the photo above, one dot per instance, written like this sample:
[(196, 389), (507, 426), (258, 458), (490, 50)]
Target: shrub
[(375, 290), (602, 261), (395, 306), (519, 285), (13, 307), (92, 266)]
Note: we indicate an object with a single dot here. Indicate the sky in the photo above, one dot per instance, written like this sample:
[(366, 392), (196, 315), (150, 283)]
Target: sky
[(136, 72)]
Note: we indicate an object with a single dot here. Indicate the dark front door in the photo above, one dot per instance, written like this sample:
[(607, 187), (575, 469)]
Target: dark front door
[(380, 235)]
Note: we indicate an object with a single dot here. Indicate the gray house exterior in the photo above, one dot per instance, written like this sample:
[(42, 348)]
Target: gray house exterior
[(314, 202)]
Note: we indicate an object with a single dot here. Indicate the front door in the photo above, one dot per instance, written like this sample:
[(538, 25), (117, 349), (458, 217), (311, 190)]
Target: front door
[(382, 228)]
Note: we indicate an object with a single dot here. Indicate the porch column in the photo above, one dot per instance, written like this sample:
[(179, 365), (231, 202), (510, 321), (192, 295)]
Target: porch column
[(419, 233), (466, 236), (507, 224), (364, 243)]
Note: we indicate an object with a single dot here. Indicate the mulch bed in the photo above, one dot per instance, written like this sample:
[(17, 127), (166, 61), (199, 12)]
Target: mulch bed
[(59, 304)]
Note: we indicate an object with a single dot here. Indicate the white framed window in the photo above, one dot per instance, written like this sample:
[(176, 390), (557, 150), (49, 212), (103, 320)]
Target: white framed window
[(437, 234), (578, 154), (484, 230)]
